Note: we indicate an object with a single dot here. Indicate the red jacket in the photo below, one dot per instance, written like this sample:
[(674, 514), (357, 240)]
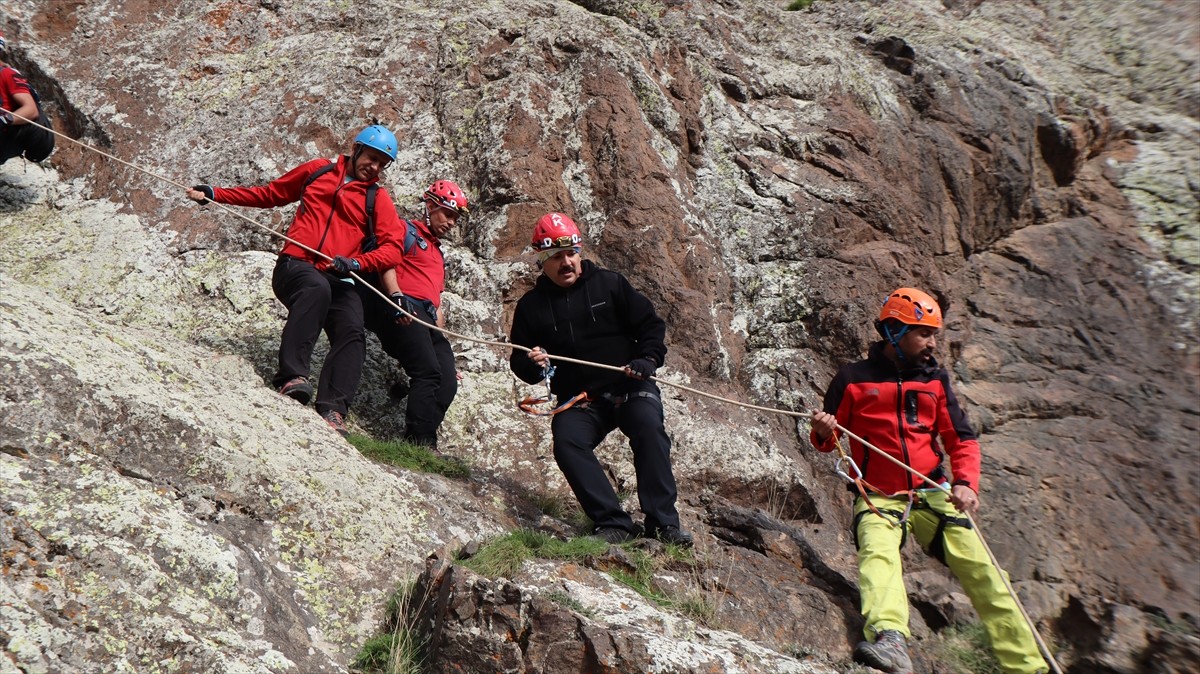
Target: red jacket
[(422, 272), (901, 413), (12, 83), (332, 216)]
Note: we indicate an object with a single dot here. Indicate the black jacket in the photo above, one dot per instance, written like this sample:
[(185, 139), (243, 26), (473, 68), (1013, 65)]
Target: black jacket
[(600, 319)]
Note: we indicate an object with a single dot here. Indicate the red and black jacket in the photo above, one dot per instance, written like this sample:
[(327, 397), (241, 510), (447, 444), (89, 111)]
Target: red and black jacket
[(332, 217), (901, 412)]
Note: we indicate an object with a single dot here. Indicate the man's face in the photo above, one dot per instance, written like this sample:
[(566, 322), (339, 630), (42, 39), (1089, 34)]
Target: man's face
[(564, 267), (441, 220), (369, 163), (918, 344)]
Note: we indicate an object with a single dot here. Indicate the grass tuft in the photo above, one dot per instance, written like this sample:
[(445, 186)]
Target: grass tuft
[(966, 650), (503, 556), (563, 599), (398, 649), (799, 4), (405, 455)]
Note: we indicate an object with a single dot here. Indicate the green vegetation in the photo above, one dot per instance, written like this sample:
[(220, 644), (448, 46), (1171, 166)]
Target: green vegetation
[(405, 455), (398, 649), (503, 556), (799, 4), (551, 504), (965, 650), (566, 600), (1174, 627)]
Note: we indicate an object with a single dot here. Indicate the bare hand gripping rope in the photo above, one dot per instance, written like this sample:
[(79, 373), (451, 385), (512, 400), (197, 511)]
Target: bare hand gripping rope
[(505, 345)]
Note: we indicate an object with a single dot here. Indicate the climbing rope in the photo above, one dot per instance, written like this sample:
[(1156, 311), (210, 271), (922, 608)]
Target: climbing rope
[(506, 345)]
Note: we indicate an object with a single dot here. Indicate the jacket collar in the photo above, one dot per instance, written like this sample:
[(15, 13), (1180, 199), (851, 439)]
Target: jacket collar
[(876, 355)]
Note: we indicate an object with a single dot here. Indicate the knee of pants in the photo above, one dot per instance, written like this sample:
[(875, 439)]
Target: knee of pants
[(878, 536), (317, 295)]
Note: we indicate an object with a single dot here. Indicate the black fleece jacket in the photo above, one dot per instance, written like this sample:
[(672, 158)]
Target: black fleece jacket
[(600, 318)]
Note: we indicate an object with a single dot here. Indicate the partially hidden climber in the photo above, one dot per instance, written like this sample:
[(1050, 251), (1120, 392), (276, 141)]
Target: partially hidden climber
[(19, 138), (582, 311), (415, 285), (901, 401), (344, 215)]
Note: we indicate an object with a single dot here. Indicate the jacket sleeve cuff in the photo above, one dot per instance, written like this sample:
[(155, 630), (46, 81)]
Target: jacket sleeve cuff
[(826, 445), (966, 483)]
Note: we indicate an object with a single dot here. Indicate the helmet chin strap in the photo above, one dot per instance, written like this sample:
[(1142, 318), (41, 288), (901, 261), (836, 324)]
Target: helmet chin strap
[(358, 150), (894, 340)]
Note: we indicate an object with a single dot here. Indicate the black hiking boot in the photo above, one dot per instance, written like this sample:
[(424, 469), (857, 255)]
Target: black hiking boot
[(298, 389), (671, 535), (889, 653), (612, 535), (336, 421), (422, 440)]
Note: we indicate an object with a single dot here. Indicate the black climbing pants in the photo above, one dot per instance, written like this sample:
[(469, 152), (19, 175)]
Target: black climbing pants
[(639, 415), (318, 301), (428, 361)]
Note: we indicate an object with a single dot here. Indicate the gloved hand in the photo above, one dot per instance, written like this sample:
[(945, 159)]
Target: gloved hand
[(6, 118), (207, 190), (406, 303), (640, 368), (345, 265)]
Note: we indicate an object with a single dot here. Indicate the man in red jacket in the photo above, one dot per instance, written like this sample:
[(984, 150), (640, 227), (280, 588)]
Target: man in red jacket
[(901, 401), (334, 218), (19, 102), (416, 285)]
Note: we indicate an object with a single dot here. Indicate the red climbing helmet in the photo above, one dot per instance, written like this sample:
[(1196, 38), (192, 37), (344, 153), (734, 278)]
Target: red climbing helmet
[(447, 195), (555, 230), (911, 307)]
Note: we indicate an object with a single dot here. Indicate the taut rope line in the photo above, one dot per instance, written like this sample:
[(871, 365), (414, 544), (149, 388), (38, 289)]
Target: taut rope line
[(506, 345)]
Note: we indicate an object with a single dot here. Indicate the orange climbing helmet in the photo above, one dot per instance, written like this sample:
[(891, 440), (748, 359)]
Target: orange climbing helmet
[(911, 307)]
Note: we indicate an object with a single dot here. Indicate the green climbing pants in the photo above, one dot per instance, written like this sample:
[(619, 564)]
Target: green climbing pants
[(881, 581)]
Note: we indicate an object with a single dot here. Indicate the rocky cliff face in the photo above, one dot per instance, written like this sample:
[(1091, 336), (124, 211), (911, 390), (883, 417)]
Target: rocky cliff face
[(764, 175)]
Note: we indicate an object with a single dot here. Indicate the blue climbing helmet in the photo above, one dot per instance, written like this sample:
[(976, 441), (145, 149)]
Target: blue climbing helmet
[(379, 138)]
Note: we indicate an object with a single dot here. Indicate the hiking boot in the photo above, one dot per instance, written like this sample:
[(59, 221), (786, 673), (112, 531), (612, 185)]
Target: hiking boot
[(671, 535), (298, 389), (612, 535), (889, 653), (427, 441), (336, 421)]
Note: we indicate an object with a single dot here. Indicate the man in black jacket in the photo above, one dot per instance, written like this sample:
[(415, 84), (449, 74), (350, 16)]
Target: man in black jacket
[(582, 311)]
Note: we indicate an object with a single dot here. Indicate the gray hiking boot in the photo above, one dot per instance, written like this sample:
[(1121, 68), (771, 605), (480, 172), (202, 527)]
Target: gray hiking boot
[(889, 653)]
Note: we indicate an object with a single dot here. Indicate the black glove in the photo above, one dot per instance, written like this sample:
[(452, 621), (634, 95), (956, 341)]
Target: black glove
[(406, 303), (345, 265), (6, 118), (208, 193), (641, 368)]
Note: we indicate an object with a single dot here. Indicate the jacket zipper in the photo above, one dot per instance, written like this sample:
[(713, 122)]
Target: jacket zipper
[(570, 323), (329, 220), (900, 427)]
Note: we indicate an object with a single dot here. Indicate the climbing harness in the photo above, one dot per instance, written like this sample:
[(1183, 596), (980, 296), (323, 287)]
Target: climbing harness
[(528, 405), (505, 345), (897, 519)]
